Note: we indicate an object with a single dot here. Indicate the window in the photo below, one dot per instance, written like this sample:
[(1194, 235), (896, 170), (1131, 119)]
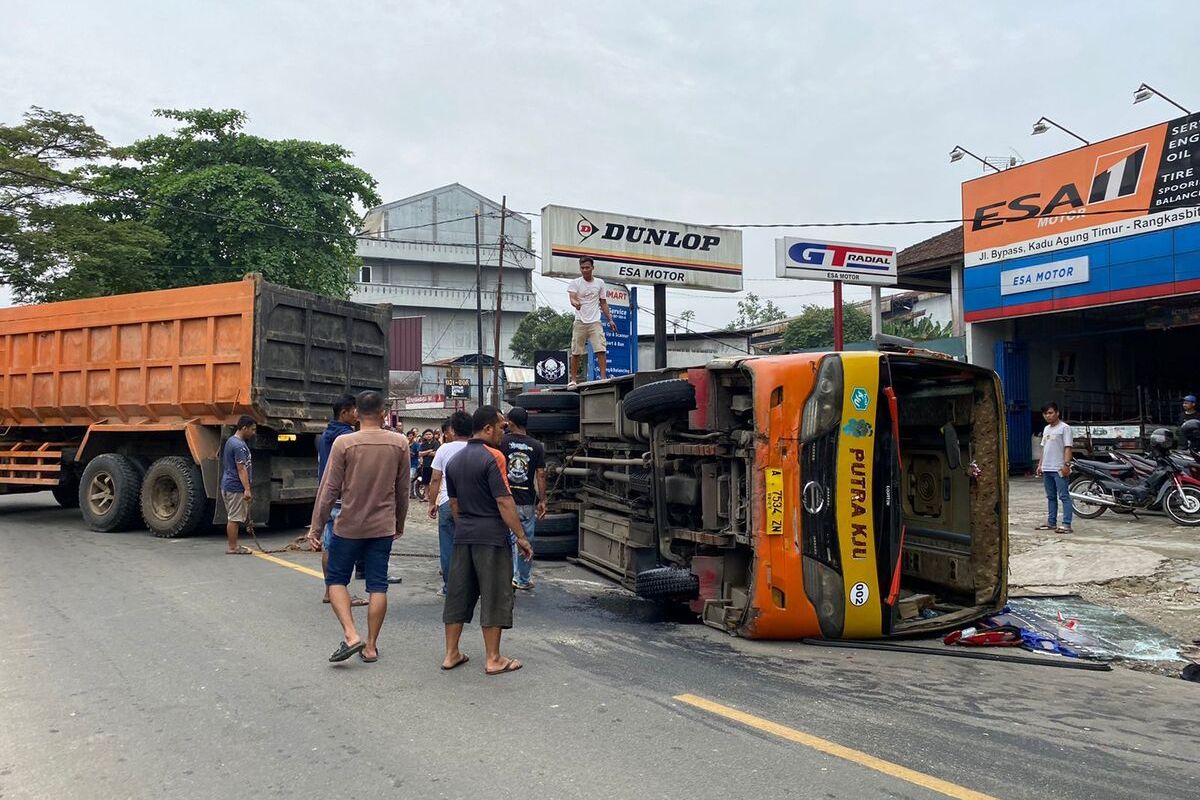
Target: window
[(364, 274)]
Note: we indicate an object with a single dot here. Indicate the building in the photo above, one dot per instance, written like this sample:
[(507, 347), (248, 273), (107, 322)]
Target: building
[(694, 349), (419, 255)]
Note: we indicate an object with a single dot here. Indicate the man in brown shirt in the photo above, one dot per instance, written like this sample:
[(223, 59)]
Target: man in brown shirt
[(368, 472)]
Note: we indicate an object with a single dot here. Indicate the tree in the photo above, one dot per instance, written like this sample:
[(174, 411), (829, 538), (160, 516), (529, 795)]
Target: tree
[(542, 329), (919, 330), (229, 203), (813, 329), (685, 320), (55, 244), (752, 312)]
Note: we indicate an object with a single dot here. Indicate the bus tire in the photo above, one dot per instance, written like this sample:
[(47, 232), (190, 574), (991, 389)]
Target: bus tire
[(555, 545), (109, 491), (552, 422), (660, 401), (548, 401), (173, 499), (558, 524), (667, 583)]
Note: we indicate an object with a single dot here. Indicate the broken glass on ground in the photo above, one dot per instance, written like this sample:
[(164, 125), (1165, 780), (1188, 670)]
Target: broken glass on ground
[(1093, 631)]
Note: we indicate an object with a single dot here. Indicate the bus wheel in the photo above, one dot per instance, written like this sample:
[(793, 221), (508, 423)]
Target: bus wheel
[(173, 499), (667, 583), (660, 401), (108, 493)]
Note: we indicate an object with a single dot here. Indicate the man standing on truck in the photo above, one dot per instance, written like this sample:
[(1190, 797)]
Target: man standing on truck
[(589, 297), (481, 566), (368, 472), (345, 417), (455, 432), (526, 459), (235, 482)]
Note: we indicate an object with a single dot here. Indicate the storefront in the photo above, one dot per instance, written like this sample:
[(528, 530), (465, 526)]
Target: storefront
[(1081, 280)]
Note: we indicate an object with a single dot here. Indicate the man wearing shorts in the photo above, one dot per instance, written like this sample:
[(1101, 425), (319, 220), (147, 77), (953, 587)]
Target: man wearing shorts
[(368, 472), (235, 482), (481, 565), (345, 417), (589, 297)]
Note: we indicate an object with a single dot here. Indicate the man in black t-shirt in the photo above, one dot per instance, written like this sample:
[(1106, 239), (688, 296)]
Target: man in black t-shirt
[(481, 565), (526, 459)]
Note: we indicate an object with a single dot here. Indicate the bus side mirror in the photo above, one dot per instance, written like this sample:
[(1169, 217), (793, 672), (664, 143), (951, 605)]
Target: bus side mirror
[(953, 454)]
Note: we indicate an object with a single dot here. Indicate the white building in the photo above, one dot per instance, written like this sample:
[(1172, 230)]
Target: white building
[(421, 259)]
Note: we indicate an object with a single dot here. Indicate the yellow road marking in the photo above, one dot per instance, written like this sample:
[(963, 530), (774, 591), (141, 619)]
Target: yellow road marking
[(289, 564), (834, 749)]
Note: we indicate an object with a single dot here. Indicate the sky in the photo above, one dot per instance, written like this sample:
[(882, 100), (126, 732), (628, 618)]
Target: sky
[(709, 113)]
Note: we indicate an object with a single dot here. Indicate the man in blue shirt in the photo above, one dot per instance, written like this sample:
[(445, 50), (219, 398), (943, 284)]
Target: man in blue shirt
[(345, 417), (235, 482)]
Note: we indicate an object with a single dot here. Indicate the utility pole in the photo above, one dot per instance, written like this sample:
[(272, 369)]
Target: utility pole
[(478, 313), (499, 287)]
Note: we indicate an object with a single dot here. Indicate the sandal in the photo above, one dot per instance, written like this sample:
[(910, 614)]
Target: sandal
[(242, 550), (456, 664), (368, 660), (344, 651), (512, 666), (355, 602), (1063, 529), (1045, 528)]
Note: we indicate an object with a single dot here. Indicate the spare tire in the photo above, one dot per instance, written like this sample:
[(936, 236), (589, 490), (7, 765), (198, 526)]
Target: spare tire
[(552, 422), (548, 401), (173, 499), (108, 493), (660, 400), (667, 583), (555, 546), (560, 524)]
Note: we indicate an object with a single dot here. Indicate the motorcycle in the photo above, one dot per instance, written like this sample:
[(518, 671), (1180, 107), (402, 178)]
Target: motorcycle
[(1100, 486)]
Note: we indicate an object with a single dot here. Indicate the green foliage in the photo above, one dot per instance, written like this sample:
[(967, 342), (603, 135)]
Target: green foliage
[(813, 329), (56, 244), (751, 312), (921, 329), (542, 329), (206, 203)]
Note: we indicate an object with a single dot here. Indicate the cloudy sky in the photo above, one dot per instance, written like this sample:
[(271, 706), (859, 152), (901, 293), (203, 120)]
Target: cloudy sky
[(705, 112)]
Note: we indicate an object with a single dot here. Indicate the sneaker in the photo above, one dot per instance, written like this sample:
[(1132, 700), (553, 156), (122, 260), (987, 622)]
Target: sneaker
[(525, 587), (572, 385)]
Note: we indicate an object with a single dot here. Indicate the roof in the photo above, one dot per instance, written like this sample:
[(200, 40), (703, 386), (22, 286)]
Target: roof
[(421, 196), (947, 245)]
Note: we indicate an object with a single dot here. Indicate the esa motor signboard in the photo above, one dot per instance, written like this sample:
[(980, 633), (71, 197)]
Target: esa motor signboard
[(815, 260), (638, 250)]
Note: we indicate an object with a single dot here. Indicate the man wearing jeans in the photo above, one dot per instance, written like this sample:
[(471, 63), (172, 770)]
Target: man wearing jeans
[(1055, 468), (526, 458), (455, 432), (368, 472)]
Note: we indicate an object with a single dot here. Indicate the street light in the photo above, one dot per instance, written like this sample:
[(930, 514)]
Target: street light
[(1145, 91), (958, 152), (1043, 125)]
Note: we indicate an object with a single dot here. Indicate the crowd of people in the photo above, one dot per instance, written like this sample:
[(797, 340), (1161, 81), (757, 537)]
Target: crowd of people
[(484, 481)]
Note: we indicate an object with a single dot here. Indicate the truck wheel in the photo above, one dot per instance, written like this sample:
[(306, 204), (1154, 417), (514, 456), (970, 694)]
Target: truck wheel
[(173, 498), (108, 493), (560, 524), (67, 492), (552, 422), (660, 401), (548, 401), (667, 583), (555, 546)]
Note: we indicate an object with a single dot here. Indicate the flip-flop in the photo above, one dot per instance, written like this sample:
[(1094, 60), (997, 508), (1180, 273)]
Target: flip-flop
[(1044, 528), (241, 551), (366, 660), (456, 664), (355, 602), (344, 651), (512, 666)]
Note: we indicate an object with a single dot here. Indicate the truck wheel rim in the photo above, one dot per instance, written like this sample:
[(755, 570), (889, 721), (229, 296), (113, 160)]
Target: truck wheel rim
[(164, 498), (101, 493)]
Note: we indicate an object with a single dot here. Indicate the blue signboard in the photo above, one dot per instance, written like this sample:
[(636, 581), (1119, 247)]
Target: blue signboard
[(622, 345)]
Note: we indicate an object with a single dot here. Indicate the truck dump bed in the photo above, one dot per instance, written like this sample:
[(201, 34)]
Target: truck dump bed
[(205, 353)]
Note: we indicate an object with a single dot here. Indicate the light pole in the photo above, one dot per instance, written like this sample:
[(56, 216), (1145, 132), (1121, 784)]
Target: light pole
[(1146, 91), (958, 152), (1044, 124)]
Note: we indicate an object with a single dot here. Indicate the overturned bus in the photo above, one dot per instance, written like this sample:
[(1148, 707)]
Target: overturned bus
[(841, 495)]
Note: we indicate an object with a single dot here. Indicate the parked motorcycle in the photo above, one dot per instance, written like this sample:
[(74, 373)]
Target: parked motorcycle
[(1100, 486)]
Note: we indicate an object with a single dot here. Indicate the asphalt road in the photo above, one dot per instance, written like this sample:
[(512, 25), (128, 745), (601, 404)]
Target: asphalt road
[(137, 667)]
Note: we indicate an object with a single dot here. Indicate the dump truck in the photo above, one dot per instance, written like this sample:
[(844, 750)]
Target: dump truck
[(120, 405), (844, 495)]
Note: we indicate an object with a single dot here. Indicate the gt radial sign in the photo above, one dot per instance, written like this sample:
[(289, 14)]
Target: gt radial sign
[(637, 250), (815, 260)]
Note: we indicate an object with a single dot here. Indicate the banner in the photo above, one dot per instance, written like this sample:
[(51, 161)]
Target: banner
[(457, 388), (621, 358), (550, 367), (815, 260), (637, 250)]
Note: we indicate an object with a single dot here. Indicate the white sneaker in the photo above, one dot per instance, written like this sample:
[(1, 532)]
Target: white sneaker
[(572, 385)]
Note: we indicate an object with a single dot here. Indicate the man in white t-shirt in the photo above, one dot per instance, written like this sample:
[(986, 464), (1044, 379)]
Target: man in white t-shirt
[(589, 297), (455, 433), (1055, 468)]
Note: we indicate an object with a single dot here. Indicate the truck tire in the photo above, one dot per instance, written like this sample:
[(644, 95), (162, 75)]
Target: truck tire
[(667, 583), (660, 401), (552, 422), (108, 493), (556, 546), (558, 524), (548, 401), (67, 492), (173, 499)]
